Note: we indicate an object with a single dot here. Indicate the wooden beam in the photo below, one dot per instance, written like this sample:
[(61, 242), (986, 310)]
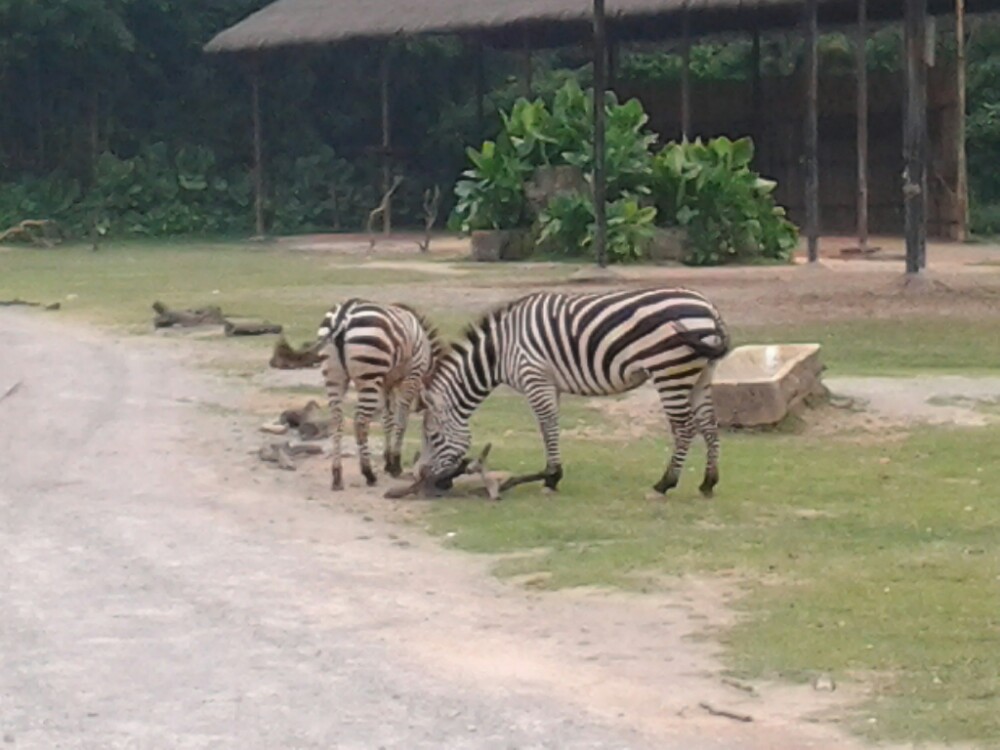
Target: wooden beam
[(812, 129), (861, 74), (755, 86), (258, 151), (480, 90), (686, 75), (385, 73), (527, 65), (962, 174), (600, 85), (915, 136)]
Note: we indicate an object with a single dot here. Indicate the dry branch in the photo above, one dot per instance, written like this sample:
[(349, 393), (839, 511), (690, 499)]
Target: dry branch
[(286, 357), (16, 302), (432, 204), (37, 231), (11, 391), (250, 327), (309, 421), (165, 317), (725, 714), (380, 210)]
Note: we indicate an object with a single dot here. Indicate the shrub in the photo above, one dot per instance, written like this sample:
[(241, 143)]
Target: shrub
[(727, 209)]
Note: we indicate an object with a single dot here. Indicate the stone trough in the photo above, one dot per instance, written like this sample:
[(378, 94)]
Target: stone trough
[(759, 385)]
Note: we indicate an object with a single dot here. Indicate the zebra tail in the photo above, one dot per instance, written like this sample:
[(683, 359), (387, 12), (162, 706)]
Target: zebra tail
[(696, 340)]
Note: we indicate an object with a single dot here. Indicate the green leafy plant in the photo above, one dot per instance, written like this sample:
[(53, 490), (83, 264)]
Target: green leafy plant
[(492, 194), (569, 224), (727, 209)]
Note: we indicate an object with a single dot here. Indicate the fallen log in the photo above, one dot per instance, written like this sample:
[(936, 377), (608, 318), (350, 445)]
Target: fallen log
[(310, 421), (286, 357), (41, 232), (250, 327), (16, 302), (202, 316)]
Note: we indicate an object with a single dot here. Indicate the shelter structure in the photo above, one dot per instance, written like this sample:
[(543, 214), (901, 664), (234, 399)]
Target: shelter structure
[(535, 24)]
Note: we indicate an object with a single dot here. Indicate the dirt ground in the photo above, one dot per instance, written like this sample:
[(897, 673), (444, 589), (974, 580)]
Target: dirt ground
[(162, 586)]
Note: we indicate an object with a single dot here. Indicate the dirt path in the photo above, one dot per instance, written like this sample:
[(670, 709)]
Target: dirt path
[(163, 590)]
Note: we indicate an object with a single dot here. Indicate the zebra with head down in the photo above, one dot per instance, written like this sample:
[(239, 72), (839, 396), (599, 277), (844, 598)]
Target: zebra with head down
[(597, 344)]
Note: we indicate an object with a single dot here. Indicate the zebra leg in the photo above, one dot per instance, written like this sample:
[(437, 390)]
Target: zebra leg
[(676, 403), (403, 399), (335, 388), (708, 426), (393, 464), (544, 401), (369, 398)]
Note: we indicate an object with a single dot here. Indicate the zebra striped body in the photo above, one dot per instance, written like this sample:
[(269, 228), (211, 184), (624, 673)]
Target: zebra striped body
[(387, 351), (597, 344)]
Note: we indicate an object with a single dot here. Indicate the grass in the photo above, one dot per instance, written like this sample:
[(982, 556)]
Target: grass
[(856, 560), (874, 560)]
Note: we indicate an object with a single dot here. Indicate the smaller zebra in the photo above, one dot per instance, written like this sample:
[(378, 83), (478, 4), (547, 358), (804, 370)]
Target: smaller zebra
[(387, 351)]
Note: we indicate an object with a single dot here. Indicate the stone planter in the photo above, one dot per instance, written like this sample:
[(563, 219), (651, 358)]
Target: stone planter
[(550, 182), (757, 386), (669, 244), (492, 245)]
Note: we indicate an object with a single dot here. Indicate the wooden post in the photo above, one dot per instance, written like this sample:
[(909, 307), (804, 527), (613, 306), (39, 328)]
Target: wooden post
[(600, 85), (861, 65), (527, 64), (686, 75), (915, 136), (258, 151), (812, 130), (962, 174), (480, 91), (755, 87), (386, 68)]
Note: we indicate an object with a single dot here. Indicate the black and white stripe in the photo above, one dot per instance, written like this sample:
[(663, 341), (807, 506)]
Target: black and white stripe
[(387, 351), (599, 344)]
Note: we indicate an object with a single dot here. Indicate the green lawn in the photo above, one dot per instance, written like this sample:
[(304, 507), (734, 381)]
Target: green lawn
[(875, 559)]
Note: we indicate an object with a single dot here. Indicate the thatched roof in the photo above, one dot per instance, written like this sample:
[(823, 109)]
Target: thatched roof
[(548, 22)]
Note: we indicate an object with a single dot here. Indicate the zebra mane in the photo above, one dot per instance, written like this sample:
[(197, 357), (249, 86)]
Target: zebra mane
[(438, 347)]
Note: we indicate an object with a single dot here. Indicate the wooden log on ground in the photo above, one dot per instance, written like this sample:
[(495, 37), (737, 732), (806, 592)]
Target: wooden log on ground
[(286, 357), (310, 421), (250, 327), (26, 303), (167, 318), (41, 232)]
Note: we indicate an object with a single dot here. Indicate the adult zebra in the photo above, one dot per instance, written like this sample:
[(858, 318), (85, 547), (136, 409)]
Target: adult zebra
[(388, 351), (599, 344)]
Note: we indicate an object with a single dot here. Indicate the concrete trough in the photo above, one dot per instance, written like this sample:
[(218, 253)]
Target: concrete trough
[(758, 385)]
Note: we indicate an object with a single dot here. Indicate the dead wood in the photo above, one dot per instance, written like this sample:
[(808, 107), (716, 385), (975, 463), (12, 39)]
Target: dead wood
[(380, 210), (250, 327), (432, 203), (26, 303), (309, 421), (286, 357), (166, 318), (725, 714), (40, 232), (11, 391)]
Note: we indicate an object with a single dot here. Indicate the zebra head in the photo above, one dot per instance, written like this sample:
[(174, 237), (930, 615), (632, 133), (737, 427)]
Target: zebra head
[(446, 441)]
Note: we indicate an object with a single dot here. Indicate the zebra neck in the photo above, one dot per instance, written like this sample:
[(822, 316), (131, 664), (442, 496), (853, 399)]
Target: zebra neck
[(474, 377)]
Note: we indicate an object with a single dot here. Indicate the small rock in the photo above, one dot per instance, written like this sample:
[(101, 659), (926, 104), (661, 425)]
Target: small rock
[(824, 683)]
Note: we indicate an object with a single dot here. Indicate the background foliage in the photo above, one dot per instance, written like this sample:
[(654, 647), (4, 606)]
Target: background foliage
[(115, 115)]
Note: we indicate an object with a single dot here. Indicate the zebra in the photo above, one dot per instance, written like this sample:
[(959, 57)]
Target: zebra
[(388, 351), (596, 344)]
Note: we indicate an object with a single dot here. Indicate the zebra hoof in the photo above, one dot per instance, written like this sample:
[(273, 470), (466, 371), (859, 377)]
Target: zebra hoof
[(549, 491), (707, 491), (337, 481)]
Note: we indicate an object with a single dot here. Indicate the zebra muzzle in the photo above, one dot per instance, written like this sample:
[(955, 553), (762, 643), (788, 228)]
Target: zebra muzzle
[(431, 485)]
